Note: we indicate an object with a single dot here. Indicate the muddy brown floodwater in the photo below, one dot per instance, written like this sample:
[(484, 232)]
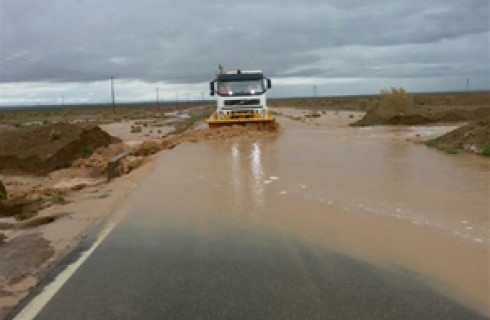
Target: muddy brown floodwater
[(367, 192), (251, 226)]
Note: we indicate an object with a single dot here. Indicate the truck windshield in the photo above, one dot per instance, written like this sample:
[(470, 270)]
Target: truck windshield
[(240, 88)]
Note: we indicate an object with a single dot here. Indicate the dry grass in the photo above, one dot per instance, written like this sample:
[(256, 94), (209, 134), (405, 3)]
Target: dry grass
[(395, 101)]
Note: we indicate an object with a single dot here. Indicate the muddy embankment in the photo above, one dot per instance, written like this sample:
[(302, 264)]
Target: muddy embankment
[(32, 161), (47, 148), (473, 137), (421, 116), (470, 138)]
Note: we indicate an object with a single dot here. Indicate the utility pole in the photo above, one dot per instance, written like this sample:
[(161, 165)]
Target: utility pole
[(158, 99), (315, 91), (467, 89), (113, 96)]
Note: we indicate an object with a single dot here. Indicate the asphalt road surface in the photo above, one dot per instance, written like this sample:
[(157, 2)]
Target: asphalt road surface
[(196, 244)]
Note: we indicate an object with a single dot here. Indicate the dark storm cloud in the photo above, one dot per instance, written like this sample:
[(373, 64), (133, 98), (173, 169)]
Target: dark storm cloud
[(183, 41)]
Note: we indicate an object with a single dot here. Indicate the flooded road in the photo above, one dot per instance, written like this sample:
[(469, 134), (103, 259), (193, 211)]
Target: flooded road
[(322, 222)]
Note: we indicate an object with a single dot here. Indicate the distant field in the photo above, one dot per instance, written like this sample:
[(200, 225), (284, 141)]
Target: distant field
[(22, 117), (103, 113), (366, 103)]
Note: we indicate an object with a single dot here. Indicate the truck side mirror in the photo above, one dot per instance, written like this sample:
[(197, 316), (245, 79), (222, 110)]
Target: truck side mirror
[(211, 88), (269, 83)]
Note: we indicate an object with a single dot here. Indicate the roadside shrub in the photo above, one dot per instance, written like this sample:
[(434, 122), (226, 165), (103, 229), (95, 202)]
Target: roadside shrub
[(58, 199), (87, 151), (136, 129), (27, 212), (486, 151), (55, 135), (432, 143), (395, 101)]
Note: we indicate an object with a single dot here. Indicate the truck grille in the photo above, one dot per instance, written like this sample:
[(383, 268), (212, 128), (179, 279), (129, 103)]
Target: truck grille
[(242, 102)]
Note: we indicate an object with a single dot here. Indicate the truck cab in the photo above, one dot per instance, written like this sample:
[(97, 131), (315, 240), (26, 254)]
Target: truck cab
[(241, 96)]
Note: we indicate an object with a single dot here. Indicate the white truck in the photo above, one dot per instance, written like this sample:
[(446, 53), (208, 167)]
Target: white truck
[(241, 98)]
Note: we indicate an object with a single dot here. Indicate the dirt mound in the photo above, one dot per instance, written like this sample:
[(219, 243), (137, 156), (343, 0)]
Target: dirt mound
[(473, 137), (419, 116), (47, 148)]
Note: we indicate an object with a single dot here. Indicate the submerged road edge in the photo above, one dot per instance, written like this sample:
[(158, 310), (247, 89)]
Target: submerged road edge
[(38, 302)]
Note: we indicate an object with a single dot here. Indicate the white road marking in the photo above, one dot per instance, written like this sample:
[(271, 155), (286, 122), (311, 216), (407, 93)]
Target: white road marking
[(35, 306)]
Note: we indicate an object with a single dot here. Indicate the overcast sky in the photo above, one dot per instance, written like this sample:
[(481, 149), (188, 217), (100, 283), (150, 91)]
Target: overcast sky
[(70, 48)]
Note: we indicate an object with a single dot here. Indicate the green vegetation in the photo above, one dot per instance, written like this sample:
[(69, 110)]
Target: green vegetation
[(486, 151), (58, 199), (87, 151), (28, 211), (432, 143)]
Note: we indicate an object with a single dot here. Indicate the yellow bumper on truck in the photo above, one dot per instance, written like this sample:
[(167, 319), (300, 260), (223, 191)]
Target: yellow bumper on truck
[(238, 118)]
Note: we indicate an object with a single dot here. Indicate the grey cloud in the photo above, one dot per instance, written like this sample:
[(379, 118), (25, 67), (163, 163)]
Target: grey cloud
[(184, 41)]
